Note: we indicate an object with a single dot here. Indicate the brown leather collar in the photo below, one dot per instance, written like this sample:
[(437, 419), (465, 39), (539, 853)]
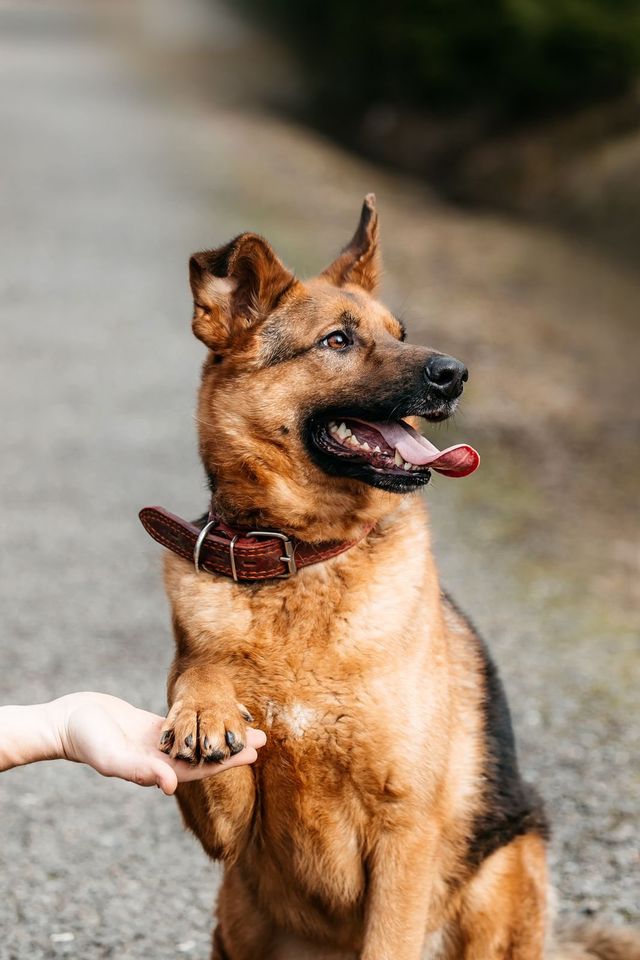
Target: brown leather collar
[(243, 555)]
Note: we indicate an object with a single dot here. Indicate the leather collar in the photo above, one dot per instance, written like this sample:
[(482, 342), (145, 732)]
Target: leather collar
[(248, 555)]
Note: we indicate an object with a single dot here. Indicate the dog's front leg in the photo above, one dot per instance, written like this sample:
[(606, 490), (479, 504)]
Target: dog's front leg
[(398, 897), (207, 724)]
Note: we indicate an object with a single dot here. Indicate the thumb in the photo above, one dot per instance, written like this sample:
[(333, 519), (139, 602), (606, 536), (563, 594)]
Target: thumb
[(145, 770), (165, 776)]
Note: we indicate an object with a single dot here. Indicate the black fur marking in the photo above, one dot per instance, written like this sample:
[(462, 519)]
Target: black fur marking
[(278, 348), (512, 807), (348, 321)]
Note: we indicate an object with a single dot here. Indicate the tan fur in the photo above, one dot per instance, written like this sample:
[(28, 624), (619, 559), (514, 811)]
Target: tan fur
[(349, 836)]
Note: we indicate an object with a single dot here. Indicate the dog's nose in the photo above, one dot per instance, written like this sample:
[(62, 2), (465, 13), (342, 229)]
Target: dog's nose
[(445, 375)]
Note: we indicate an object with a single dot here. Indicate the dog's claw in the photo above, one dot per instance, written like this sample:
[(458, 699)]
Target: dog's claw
[(209, 734), (235, 745)]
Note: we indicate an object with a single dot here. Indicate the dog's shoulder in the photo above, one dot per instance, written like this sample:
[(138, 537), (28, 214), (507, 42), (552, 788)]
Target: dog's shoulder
[(510, 806)]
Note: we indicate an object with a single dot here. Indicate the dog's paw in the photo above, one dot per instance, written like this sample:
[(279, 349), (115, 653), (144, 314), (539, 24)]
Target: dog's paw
[(207, 733)]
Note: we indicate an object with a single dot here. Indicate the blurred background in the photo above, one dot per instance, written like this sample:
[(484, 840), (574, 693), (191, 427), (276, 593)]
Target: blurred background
[(503, 143)]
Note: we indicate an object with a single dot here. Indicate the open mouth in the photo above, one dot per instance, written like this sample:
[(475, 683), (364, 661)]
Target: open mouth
[(392, 450)]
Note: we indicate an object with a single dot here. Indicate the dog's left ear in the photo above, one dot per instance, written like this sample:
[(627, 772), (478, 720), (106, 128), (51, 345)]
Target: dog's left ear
[(360, 261), (234, 287)]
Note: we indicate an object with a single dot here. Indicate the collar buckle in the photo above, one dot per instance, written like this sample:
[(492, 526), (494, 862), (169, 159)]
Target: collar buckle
[(288, 558), (198, 545), (289, 555)]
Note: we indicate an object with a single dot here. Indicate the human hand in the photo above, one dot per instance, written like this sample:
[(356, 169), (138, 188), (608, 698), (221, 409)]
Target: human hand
[(120, 740)]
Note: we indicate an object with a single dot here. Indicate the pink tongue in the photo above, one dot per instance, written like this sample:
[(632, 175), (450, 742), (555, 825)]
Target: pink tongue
[(457, 461)]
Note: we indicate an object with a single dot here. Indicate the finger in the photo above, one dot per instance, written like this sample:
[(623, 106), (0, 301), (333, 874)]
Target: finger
[(142, 767), (166, 777), (255, 738), (248, 755), (187, 772), (134, 769)]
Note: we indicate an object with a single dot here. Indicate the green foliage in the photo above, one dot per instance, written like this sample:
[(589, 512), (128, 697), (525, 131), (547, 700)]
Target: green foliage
[(512, 57)]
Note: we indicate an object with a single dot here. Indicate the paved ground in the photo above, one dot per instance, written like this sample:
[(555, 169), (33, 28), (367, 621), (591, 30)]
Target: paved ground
[(112, 172)]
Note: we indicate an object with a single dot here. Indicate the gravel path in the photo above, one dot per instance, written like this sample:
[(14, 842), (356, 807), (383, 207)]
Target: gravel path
[(111, 175)]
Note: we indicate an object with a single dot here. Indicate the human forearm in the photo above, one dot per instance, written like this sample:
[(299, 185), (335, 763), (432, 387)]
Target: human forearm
[(109, 734), (29, 733)]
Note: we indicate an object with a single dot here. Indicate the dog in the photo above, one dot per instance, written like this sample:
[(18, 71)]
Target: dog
[(386, 818)]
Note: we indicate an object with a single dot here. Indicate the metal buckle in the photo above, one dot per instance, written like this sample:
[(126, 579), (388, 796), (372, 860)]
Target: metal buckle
[(289, 557), (198, 546), (232, 557)]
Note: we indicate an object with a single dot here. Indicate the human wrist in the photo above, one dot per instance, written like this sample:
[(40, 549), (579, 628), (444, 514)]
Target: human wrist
[(55, 716), (60, 713)]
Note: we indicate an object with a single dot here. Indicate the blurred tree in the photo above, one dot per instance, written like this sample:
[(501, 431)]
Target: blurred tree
[(513, 59)]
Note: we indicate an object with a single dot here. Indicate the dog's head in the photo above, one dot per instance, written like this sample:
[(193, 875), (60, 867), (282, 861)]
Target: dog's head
[(307, 386)]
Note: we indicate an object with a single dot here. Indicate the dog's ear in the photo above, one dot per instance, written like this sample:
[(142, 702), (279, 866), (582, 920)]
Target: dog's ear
[(234, 287), (360, 261)]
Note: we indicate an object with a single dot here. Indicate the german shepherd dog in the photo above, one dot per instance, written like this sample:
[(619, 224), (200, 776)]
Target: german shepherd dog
[(386, 818)]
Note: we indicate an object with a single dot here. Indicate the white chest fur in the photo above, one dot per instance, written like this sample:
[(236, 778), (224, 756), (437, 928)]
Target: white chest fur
[(295, 720)]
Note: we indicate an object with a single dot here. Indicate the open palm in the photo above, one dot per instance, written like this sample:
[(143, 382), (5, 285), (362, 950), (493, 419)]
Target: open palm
[(120, 740)]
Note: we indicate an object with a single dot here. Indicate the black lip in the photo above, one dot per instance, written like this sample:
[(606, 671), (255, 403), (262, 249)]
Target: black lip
[(335, 460), (429, 410)]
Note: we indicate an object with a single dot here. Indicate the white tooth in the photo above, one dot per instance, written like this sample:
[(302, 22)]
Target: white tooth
[(348, 433), (342, 431), (377, 449), (397, 459), (406, 466), (333, 428), (365, 445), (353, 440)]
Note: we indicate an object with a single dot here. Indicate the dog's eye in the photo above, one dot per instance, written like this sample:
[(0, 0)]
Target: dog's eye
[(336, 340)]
